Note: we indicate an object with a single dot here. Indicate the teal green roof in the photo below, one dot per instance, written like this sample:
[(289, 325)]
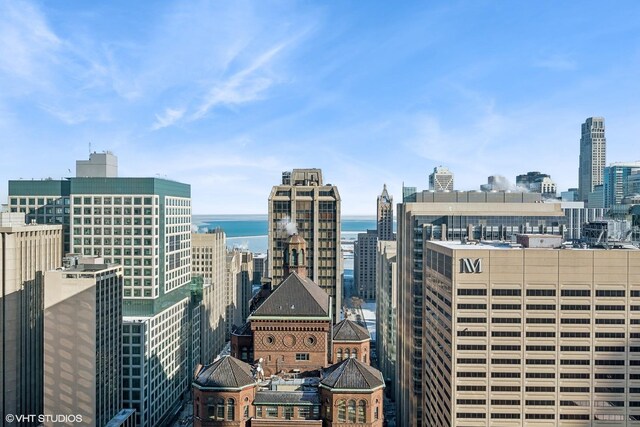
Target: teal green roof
[(69, 186)]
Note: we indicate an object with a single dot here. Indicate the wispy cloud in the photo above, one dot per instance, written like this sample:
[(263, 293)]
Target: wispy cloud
[(244, 86), (556, 63), (27, 43), (169, 117)]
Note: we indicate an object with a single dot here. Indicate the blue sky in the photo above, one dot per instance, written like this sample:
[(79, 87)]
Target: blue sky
[(227, 95)]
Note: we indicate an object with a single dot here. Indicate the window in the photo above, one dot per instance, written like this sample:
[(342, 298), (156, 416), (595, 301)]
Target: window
[(351, 411), (219, 410), (506, 292), (342, 411), (231, 409), (339, 355), (362, 405), (304, 412), (302, 356), (287, 412), (271, 411), (541, 292)]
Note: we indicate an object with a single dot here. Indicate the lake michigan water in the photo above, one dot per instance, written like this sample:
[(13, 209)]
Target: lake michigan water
[(250, 231)]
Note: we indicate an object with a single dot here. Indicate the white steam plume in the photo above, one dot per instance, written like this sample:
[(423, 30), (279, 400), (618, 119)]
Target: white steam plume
[(285, 224)]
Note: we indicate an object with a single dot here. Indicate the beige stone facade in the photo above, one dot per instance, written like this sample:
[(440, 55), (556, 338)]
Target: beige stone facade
[(449, 216), (26, 252), (516, 336), (83, 342), (208, 261)]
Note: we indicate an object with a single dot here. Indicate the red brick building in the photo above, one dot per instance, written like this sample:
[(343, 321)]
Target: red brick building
[(290, 341), (351, 340)]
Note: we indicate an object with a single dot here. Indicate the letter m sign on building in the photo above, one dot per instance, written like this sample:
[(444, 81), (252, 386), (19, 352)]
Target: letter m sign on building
[(468, 265)]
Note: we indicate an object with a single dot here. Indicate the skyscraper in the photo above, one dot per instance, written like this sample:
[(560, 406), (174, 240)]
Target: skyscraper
[(385, 215), (538, 183), (209, 262), (364, 264), (616, 182), (543, 336), (593, 156), (304, 204), (441, 179), (144, 224), (449, 216), (386, 310), (233, 291), (26, 252), (83, 341)]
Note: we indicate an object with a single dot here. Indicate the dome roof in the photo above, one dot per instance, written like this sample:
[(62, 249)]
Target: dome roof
[(225, 373)]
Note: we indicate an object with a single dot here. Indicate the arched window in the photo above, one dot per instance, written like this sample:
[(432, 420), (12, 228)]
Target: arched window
[(376, 414), (354, 353), (346, 353), (220, 409), (339, 355), (294, 257), (301, 257), (211, 408), (231, 409), (364, 358), (342, 411), (351, 411), (362, 406)]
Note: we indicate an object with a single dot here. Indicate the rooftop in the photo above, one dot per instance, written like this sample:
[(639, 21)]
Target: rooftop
[(351, 374), (296, 296), (348, 330), (226, 372)]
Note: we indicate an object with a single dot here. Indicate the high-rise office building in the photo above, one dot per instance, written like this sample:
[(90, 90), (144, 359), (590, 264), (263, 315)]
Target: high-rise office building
[(208, 260), (26, 252), (449, 216), (441, 179), (408, 194), (246, 284), (522, 336), (259, 268), (538, 183), (144, 224), (386, 311), (384, 215), (616, 182), (364, 263), (83, 341), (595, 200), (571, 195), (593, 156), (233, 291), (366, 245), (304, 204)]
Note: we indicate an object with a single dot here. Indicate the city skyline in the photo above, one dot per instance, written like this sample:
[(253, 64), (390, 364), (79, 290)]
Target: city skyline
[(227, 96)]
